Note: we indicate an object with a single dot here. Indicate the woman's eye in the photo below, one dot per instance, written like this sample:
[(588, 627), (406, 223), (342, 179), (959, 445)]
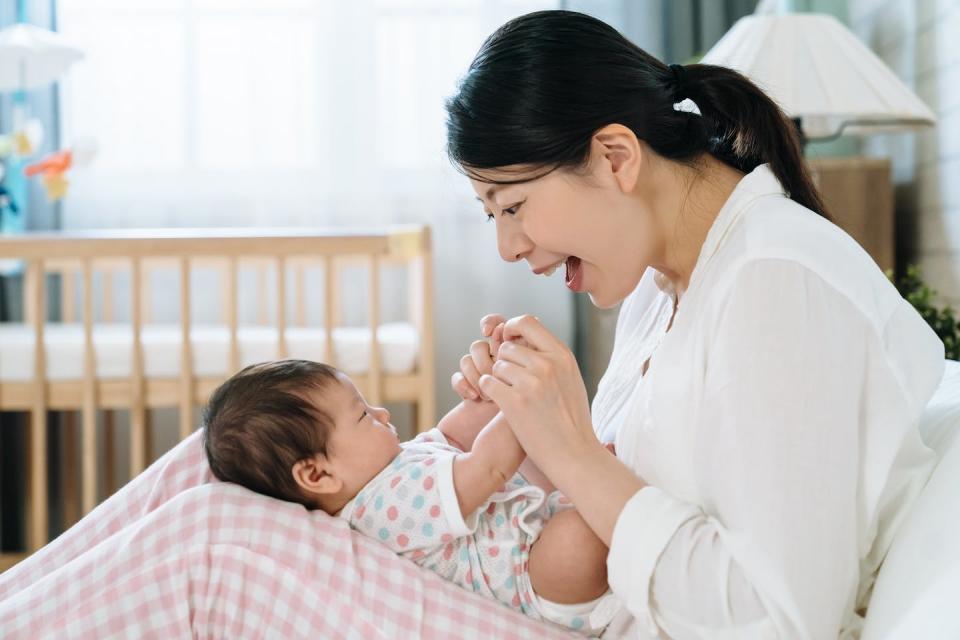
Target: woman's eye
[(511, 211)]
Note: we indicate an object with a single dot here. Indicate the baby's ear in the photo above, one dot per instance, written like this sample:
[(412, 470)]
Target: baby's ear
[(313, 475)]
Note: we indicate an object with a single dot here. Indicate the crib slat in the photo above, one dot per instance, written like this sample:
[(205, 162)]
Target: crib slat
[(261, 270), (329, 293), (138, 457), (71, 507), (336, 301), (146, 294), (300, 312), (107, 307), (109, 421), (231, 304), (376, 388), (186, 354), (428, 398), (88, 438), (68, 296), (420, 291), (281, 307), (39, 499)]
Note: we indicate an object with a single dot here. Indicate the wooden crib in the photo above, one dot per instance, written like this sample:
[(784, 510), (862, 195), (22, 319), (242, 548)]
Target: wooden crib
[(159, 367)]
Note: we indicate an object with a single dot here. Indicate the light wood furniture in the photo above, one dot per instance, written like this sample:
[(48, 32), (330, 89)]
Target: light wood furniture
[(81, 254), (858, 192)]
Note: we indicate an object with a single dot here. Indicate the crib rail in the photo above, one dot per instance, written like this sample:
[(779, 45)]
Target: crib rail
[(78, 254)]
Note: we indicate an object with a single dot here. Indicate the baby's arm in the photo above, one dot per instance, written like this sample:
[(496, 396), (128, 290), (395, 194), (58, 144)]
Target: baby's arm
[(461, 426), (495, 457), (464, 422)]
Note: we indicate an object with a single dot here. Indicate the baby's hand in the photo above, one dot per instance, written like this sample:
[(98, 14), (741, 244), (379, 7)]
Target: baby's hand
[(483, 353), (478, 362)]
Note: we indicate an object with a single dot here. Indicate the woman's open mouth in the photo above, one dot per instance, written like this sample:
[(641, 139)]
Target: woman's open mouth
[(574, 279)]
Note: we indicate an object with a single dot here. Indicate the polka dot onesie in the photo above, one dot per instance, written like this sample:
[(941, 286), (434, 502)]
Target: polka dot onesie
[(412, 507)]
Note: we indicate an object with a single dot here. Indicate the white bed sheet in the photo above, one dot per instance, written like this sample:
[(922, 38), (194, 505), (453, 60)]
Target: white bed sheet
[(399, 349)]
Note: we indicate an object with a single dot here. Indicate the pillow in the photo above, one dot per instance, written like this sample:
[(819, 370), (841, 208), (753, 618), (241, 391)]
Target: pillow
[(917, 593)]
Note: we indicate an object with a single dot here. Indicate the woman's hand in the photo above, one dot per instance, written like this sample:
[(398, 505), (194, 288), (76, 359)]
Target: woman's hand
[(536, 383), (538, 387), (479, 362)]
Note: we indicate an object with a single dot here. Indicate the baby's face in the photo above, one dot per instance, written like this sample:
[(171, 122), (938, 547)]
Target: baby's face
[(363, 442)]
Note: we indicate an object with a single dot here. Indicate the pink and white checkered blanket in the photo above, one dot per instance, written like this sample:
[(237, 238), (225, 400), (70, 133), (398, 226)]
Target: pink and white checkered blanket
[(177, 554)]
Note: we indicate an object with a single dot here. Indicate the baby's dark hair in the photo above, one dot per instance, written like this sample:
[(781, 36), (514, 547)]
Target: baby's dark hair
[(260, 422)]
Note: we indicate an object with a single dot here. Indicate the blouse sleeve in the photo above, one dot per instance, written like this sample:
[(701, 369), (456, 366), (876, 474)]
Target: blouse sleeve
[(773, 549)]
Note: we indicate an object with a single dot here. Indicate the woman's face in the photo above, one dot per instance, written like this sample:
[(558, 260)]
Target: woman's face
[(560, 216)]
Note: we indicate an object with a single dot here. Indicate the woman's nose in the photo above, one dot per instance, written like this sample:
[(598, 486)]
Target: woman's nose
[(512, 242)]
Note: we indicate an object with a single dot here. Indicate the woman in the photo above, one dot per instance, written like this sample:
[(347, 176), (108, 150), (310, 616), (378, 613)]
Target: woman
[(766, 381)]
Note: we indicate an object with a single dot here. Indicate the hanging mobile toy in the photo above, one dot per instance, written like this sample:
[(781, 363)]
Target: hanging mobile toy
[(53, 167)]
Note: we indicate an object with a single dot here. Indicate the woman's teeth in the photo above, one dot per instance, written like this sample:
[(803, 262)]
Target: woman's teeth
[(553, 269)]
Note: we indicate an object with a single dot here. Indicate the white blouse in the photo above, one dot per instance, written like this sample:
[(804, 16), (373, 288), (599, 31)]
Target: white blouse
[(776, 427)]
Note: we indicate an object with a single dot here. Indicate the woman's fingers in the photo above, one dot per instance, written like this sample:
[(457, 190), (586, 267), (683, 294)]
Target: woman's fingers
[(511, 373), (489, 322), (496, 390), (532, 331), (518, 354)]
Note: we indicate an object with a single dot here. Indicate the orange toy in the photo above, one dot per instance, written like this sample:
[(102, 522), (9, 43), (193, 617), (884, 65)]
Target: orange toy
[(54, 164)]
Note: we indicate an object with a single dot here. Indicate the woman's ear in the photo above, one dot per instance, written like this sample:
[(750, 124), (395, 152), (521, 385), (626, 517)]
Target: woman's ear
[(621, 149), (314, 476)]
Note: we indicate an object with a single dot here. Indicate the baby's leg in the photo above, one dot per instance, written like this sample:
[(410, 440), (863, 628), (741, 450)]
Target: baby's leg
[(568, 562)]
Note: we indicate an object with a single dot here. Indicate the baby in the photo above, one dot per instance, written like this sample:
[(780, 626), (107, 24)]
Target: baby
[(451, 499)]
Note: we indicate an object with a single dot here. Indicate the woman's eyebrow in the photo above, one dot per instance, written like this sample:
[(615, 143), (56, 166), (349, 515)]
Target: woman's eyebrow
[(490, 193)]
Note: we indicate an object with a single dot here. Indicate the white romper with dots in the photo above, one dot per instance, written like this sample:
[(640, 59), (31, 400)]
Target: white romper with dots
[(411, 506)]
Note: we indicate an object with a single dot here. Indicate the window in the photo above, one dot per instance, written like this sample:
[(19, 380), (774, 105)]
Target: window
[(234, 112)]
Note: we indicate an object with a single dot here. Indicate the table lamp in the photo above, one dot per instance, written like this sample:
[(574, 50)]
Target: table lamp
[(830, 84)]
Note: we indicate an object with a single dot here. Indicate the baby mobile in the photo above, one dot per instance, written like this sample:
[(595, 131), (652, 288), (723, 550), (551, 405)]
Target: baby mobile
[(33, 58)]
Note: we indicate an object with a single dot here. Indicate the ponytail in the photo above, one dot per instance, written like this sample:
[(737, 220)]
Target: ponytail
[(747, 128)]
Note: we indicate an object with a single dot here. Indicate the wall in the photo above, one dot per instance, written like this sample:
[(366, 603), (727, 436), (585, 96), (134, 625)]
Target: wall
[(920, 41)]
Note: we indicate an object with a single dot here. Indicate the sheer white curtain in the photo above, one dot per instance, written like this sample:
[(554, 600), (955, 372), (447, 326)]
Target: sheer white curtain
[(293, 112)]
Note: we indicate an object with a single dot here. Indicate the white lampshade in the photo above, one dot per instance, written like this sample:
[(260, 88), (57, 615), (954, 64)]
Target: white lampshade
[(818, 71), (32, 58)]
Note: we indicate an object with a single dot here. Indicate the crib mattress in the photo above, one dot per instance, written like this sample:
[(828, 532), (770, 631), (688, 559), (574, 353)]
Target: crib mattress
[(210, 344)]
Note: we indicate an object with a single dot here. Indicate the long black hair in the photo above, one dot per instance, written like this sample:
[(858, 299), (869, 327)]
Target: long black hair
[(544, 83)]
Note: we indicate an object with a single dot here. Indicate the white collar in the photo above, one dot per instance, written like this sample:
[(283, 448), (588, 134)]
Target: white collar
[(757, 183)]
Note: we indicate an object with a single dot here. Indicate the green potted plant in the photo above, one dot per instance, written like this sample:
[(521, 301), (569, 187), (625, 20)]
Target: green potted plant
[(912, 287)]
